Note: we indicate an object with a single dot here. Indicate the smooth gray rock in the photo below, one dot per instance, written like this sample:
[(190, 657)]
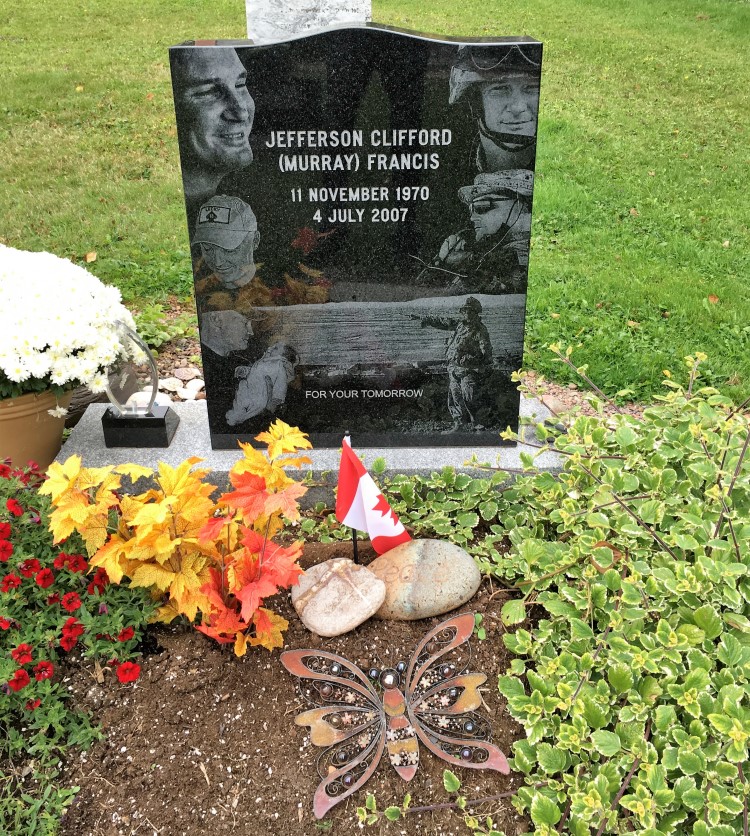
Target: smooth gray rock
[(425, 578), (336, 596)]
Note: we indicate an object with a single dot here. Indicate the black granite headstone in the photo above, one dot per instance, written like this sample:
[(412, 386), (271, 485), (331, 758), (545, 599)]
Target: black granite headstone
[(359, 210)]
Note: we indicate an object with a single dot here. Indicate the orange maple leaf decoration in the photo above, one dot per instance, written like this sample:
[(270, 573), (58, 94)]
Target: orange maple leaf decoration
[(214, 562)]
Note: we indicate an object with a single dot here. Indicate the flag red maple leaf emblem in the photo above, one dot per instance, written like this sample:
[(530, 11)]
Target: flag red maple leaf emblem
[(385, 509)]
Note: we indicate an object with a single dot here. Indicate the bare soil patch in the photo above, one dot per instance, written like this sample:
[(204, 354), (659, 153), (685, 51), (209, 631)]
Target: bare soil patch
[(205, 743)]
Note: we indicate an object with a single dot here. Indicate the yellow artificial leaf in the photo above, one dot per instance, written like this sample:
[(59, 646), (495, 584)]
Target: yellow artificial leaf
[(111, 558), (152, 514), (186, 580), (166, 613), (151, 574), (94, 531), (92, 477), (240, 644), (174, 480), (60, 477), (134, 471), (269, 629), (129, 507), (281, 438)]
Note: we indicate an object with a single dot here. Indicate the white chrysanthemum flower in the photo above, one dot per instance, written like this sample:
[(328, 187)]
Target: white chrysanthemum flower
[(58, 412), (57, 321)]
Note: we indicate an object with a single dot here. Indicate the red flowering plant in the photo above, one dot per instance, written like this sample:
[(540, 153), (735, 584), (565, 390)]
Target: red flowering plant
[(55, 609)]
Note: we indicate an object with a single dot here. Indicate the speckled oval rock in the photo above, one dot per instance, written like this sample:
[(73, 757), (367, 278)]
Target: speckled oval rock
[(336, 596), (425, 578)]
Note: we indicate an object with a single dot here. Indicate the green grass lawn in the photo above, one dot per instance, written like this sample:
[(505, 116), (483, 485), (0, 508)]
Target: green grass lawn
[(640, 237)]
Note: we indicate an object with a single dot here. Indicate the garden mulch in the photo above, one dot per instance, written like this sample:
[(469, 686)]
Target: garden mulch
[(205, 743)]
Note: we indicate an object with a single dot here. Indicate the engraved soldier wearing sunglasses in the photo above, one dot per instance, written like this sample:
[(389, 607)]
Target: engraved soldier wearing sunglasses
[(501, 85), (497, 259)]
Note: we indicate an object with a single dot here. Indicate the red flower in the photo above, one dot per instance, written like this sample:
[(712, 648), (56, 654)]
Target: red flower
[(53, 599), (99, 582), (19, 680), (29, 567), (4, 471), (14, 508), (4, 623), (71, 601), (68, 642), (33, 704), (6, 550), (22, 654), (9, 582), (128, 672), (60, 561), (126, 634), (4, 529), (72, 627), (43, 670), (45, 578), (77, 563)]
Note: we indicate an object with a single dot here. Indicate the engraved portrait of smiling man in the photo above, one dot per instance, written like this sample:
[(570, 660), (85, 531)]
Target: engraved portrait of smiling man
[(215, 113)]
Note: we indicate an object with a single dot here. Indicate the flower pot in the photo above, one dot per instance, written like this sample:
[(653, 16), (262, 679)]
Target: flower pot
[(28, 431)]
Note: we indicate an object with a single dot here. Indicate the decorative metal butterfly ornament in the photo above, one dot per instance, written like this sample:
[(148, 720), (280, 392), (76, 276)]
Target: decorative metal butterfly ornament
[(355, 723)]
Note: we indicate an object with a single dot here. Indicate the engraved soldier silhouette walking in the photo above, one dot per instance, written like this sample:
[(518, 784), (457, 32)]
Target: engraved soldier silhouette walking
[(468, 352)]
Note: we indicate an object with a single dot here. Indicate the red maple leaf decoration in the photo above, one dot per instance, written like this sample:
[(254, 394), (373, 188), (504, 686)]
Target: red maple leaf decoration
[(385, 509), (307, 239)]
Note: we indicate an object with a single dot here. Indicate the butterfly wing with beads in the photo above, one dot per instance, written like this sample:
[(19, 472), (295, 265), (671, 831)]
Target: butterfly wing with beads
[(441, 697), (347, 719)]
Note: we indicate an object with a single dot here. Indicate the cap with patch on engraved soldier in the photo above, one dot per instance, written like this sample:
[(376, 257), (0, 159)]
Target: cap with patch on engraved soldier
[(225, 222)]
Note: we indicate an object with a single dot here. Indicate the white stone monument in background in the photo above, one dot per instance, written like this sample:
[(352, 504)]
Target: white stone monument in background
[(277, 20)]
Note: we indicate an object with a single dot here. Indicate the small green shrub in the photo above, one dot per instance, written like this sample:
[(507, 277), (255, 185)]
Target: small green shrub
[(633, 685), (156, 330)]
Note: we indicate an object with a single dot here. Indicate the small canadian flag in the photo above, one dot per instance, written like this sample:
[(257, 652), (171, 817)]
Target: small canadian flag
[(361, 505)]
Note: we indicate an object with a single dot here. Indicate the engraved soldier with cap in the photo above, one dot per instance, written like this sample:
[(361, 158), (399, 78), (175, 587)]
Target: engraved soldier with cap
[(468, 352), (501, 85), (226, 231)]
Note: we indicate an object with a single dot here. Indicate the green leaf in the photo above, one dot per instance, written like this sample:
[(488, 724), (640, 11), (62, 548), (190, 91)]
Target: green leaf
[(708, 620), (626, 437), (693, 799), (451, 781), (550, 758), (544, 810), (370, 803), (392, 813), (665, 717), (620, 678), (513, 612), (738, 621), (468, 520), (721, 722), (488, 510), (594, 714), (690, 762), (606, 743)]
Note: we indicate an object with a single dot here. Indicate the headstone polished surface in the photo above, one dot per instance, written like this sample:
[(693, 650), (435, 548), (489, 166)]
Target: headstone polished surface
[(359, 210), (277, 20)]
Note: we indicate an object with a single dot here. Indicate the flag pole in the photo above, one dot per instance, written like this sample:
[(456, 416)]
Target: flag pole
[(355, 553)]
